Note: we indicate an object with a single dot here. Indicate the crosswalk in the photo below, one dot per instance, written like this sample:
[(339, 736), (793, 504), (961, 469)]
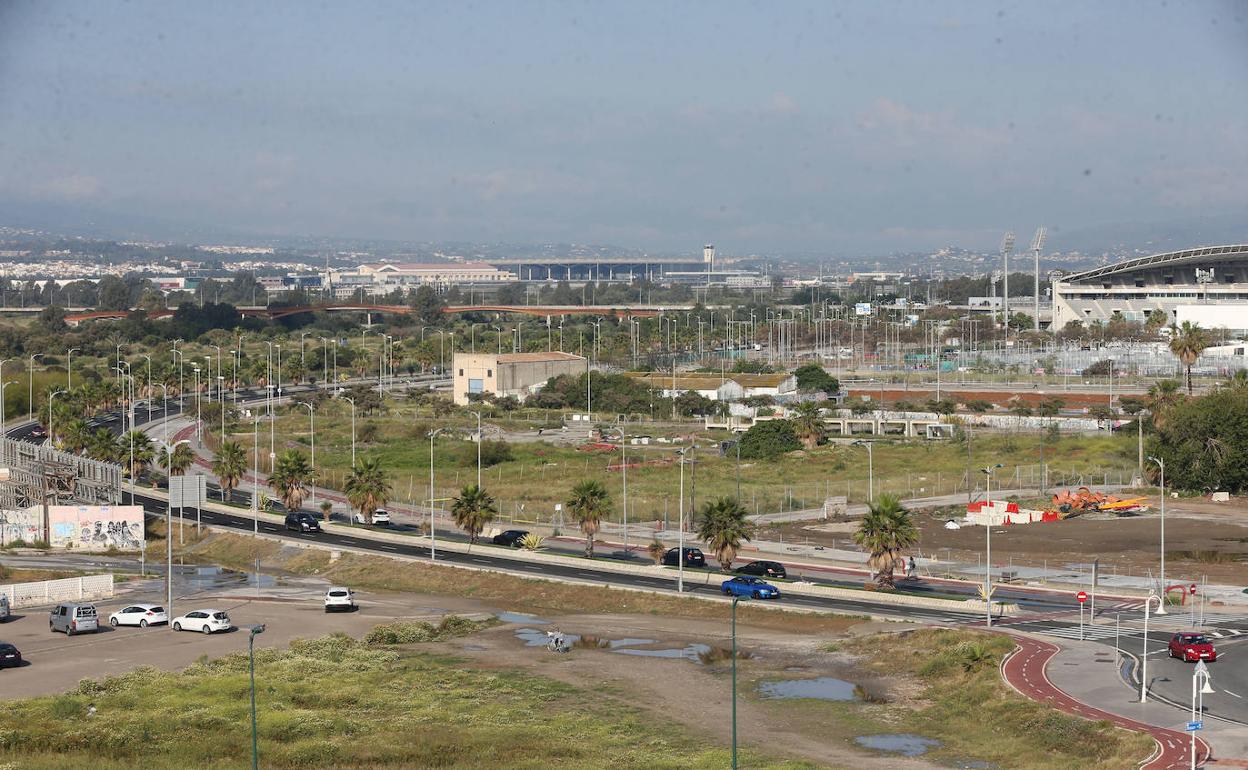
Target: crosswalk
[(1097, 632), (1225, 633)]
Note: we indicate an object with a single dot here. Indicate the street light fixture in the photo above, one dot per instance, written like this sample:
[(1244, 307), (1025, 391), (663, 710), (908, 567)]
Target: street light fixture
[(169, 529), (69, 368), (870, 467), (312, 429), (680, 516), (1161, 463), (433, 535), (988, 543), (352, 401), (1198, 711), (30, 404), (1148, 604), (251, 666), (2, 387), (478, 416)]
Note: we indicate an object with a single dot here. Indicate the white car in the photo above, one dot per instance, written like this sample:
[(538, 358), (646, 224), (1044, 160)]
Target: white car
[(380, 516), (141, 615), (205, 621), (339, 598)]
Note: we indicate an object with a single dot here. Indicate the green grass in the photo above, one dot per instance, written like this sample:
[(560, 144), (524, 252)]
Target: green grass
[(541, 474), (961, 700), (337, 702)]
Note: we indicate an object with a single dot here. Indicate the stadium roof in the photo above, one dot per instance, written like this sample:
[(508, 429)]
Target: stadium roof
[(1202, 255)]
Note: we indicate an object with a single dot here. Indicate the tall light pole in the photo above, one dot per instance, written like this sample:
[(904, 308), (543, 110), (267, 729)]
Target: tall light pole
[(199, 425), (2, 387), (680, 516), (169, 530), (433, 535), (150, 392), (30, 404), (988, 546), (1148, 604), (312, 430), (478, 416), (735, 599), (352, 401), (51, 396), (1201, 672), (255, 475), (1161, 463), (69, 368), (870, 468), (251, 668)]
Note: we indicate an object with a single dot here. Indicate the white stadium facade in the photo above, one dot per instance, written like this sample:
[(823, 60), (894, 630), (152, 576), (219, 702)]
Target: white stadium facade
[(1207, 285)]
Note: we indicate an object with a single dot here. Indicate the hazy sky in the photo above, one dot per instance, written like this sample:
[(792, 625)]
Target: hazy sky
[(827, 127)]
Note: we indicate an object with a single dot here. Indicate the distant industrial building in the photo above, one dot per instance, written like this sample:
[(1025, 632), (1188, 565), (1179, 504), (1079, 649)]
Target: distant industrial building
[(728, 387), (1132, 289), (509, 374)]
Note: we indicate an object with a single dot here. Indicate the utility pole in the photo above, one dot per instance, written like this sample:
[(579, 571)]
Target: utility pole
[(1007, 248)]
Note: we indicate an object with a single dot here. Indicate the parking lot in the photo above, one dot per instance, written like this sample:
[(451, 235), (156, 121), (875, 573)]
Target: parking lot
[(55, 663)]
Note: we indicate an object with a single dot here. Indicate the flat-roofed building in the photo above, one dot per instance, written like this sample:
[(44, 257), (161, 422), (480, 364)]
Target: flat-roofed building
[(509, 374), (727, 387)]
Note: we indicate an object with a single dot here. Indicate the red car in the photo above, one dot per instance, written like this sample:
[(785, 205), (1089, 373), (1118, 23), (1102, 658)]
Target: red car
[(1191, 647)]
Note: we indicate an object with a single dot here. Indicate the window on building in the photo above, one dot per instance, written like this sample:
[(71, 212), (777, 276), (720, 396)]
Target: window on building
[(489, 372), (461, 372), (475, 386)]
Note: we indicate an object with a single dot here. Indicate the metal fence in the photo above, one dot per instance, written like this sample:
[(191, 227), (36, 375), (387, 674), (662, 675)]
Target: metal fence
[(38, 471)]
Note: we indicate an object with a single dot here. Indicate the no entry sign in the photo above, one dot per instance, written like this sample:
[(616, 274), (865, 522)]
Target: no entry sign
[(1082, 596)]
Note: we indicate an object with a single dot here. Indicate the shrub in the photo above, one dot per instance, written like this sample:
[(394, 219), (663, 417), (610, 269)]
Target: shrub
[(402, 632), (532, 541), (770, 439)]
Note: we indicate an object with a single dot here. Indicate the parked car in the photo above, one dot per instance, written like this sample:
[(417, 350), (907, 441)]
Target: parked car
[(771, 569), (339, 598), (73, 618), (693, 557), (380, 516), (5, 613), (751, 587), (38, 432), (141, 615), (204, 621), (510, 537), (9, 656), (302, 521), (1191, 647)]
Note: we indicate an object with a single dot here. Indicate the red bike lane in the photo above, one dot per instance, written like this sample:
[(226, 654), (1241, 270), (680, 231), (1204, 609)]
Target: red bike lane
[(1024, 670)]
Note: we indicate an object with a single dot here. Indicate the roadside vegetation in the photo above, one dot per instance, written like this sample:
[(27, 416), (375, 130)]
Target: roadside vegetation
[(948, 687), (338, 702)]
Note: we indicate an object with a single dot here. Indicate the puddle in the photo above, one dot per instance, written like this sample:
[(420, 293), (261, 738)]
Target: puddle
[(690, 652), (535, 638), (518, 617), (614, 643), (214, 578), (906, 744), (822, 688), (474, 648)]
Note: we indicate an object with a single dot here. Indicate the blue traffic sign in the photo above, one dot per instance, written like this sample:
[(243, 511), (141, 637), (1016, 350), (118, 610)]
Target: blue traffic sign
[(1194, 726)]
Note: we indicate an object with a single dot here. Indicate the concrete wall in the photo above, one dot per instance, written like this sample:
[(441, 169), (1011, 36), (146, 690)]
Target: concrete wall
[(80, 589), (86, 527), (519, 378)]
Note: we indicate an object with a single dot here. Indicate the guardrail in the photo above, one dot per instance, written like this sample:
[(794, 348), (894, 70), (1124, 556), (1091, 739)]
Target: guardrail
[(41, 592)]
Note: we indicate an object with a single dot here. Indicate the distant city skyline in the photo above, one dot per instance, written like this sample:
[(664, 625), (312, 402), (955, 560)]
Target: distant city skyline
[(826, 128)]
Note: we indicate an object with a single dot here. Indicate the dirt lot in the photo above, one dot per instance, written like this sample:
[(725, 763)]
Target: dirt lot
[(1202, 538)]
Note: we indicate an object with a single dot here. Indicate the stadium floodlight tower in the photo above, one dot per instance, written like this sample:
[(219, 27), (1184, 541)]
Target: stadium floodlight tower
[(1007, 248), (1037, 243)]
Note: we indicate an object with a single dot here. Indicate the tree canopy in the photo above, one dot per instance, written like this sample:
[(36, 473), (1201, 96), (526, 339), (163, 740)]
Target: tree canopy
[(769, 439)]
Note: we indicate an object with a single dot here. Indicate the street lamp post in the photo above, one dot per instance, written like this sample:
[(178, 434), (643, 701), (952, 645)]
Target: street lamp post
[(478, 416), (199, 425), (988, 544), (1161, 463), (433, 535), (251, 668), (352, 401), (312, 430), (69, 368), (735, 599), (680, 525), (255, 475), (1148, 604), (51, 396), (870, 468), (1198, 711), (169, 529), (2, 387), (30, 404)]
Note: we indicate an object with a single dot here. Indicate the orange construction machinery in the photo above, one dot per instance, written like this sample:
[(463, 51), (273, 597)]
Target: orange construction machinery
[(1084, 500)]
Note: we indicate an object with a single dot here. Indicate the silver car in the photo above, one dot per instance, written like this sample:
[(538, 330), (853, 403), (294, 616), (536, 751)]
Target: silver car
[(73, 618), (4, 608)]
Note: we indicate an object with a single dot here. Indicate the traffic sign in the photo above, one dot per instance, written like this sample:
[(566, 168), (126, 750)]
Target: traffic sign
[(1082, 596), (1194, 726), (1192, 589)]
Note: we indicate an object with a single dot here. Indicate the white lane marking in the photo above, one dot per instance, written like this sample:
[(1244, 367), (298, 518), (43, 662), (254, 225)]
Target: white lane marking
[(1236, 695), (388, 547)]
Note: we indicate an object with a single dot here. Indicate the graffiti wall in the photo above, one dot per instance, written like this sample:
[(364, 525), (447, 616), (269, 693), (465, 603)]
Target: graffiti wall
[(87, 527)]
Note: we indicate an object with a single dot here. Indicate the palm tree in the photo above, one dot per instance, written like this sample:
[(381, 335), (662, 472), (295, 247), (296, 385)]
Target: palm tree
[(885, 532), (142, 455), (230, 465), (1163, 396), (1188, 342), (724, 527), (76, 435), (102, 446), (179, 462), (289, 478), (472, 510), (367, 486), (589, 502), (807, 423)]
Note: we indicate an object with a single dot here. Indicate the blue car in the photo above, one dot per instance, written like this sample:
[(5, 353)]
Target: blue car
[(751, 587)]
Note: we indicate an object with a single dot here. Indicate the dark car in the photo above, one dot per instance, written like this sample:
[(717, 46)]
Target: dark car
[(9, 656), (1191, 647), (302, 522), (511, 537), (693, 557), (771, 569)]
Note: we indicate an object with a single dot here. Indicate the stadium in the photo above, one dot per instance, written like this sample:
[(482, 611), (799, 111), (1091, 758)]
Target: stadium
[(1207, 285)]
